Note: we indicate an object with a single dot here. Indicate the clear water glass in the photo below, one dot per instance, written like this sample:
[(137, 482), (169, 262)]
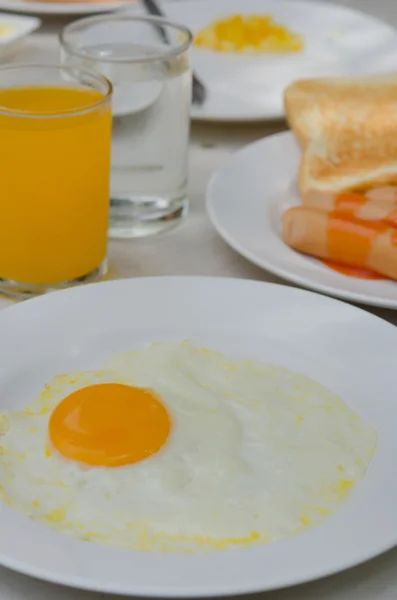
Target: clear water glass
[(146, 59)]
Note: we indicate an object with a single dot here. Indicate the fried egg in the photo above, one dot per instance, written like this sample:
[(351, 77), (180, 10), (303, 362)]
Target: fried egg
[(175, 448)]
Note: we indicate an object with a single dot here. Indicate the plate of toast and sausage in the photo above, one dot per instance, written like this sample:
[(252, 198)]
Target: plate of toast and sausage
[(317, 205)]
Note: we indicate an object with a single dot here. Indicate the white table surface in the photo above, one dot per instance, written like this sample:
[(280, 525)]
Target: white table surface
[(194, 248)]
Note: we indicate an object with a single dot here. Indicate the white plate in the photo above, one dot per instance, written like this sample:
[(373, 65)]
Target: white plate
[(14, 29), (245, 201), (58, 8), (338, 41), (305, 332), (130, 99)]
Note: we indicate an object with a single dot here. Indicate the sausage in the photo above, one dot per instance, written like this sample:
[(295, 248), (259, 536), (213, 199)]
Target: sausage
[(328, 235), (378, 204)]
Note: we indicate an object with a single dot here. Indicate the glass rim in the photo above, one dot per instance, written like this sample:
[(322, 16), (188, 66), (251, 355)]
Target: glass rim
[(69, 112), (159, 21)]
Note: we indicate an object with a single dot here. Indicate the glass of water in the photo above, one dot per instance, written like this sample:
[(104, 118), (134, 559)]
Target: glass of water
[(146, 59)]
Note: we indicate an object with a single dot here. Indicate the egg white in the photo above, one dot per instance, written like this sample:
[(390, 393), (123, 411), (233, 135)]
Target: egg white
[(256, 453)]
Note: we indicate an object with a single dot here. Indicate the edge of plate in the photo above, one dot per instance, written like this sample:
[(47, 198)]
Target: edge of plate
[(266, 265), (59, 8)]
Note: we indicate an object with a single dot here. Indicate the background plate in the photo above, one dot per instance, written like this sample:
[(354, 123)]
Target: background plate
[(58, 8), (338, 41)]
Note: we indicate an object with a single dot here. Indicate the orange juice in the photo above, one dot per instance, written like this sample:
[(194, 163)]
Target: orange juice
[(54, 178)]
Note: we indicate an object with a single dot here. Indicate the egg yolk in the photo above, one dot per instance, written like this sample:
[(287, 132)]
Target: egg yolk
[(109, 425)]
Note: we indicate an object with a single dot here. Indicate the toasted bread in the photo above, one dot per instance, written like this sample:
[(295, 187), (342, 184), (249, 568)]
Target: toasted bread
[(348, 163), (347, 129)]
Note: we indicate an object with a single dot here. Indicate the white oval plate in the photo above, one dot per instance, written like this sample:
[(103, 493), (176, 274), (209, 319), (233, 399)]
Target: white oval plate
[(342, 347), (245, 201), (338, 41)]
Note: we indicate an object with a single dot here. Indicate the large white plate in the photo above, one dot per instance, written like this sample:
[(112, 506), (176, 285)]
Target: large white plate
[(339, 41), (245, 201), (344, 348)]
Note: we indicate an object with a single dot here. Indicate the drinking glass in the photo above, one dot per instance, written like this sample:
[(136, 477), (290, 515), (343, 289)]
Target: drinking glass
[(146, 59), (55, 129)]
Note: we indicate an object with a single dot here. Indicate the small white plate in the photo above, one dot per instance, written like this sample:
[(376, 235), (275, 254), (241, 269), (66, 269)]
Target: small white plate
[(58, 8), (307, 333), (14, 28), (338, 41), (130, 99), (245, 201)]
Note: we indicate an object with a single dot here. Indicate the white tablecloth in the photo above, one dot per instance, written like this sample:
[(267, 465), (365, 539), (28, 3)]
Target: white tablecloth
[(194, 248)]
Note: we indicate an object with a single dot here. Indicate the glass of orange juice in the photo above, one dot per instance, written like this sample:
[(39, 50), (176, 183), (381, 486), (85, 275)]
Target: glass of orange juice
[(55, 131)]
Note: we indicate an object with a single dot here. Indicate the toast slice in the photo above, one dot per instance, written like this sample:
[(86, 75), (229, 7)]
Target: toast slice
[(347, 129)]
